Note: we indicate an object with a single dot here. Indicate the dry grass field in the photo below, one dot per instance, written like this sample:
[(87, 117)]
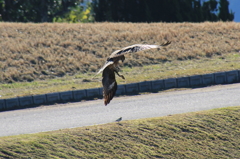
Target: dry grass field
[(202, 135), (69, 54)]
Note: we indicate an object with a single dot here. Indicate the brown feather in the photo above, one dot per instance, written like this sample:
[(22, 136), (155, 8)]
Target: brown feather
[(111, 66), (109, 85)]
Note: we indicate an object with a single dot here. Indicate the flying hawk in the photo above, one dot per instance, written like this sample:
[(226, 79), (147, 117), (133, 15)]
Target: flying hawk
[(112, 66)]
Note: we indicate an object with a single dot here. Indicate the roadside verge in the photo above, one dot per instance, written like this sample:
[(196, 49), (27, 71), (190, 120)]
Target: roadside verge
[(125, 89)]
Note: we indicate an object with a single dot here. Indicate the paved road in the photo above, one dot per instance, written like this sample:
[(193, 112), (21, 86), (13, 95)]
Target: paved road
[(62, 116)]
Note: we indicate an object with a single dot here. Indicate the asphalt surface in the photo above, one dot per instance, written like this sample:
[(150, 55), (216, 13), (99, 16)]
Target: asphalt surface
[(61, 116)]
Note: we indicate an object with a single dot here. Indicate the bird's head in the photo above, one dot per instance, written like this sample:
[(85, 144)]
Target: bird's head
[(123, 58)]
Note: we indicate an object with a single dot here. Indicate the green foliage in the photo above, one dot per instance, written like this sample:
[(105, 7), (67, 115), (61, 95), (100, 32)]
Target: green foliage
[(224, 14), (35, 10), (209, 10), (77, 14), (1, 8), (109, 10), (164, 10)]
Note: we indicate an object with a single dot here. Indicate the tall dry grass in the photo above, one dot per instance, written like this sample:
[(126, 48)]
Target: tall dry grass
[(40, 51)]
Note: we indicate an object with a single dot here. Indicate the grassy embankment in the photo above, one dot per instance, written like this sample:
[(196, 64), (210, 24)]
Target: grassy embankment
[(205, 134), (44, 58)]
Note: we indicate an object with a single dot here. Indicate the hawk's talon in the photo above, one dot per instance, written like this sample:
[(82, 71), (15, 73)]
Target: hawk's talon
[(120, 75)]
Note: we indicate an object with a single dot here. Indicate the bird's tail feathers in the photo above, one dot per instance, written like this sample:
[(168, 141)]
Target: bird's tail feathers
[(166, 43)]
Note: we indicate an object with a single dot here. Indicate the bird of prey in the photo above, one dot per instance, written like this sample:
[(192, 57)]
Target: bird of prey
[(111, 67)]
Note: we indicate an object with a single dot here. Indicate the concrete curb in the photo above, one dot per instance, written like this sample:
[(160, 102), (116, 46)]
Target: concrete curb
[(133, 88)]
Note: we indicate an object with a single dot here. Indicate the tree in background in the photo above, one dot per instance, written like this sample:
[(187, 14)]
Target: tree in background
[(209, 10), (115, 11), (161, 10), (1, 8), (35, 10), (197, 11), (77, 14), (224, 14)]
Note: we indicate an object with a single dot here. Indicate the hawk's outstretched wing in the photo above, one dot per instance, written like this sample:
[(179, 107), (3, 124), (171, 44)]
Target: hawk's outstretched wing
[(105, 65), (136, 48), (109, 85)]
